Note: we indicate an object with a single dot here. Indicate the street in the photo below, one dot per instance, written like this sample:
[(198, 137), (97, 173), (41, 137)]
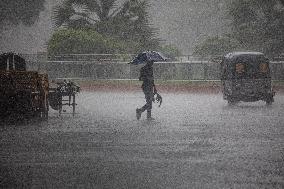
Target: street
[(195, 141)]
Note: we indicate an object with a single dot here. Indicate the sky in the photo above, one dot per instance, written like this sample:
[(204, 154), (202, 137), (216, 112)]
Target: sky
[(182, 23), (185, 22)]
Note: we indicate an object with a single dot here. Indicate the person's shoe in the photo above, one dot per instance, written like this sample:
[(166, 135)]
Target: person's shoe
[(138, 114), (150, 119), (149, 116)]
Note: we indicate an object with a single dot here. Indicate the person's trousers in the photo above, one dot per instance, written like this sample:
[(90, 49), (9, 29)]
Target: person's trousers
[(148, 105)]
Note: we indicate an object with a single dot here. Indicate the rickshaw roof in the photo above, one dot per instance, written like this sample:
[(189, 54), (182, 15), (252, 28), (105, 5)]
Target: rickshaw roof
[(233, 55), (236, 55)]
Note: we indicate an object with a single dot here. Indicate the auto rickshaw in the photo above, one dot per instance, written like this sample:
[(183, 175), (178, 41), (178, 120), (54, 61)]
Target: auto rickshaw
[(246, 77)]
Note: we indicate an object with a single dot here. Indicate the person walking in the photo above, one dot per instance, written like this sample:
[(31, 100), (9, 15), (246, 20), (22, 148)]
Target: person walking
[(149, 89)]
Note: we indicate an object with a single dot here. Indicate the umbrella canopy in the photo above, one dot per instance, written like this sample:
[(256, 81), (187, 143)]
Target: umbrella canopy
[(148, 56)]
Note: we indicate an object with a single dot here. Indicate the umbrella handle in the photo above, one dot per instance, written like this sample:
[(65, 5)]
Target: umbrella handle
[(155, 90)]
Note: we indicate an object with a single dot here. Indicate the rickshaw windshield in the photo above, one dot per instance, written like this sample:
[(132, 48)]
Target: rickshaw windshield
[(251, 67)]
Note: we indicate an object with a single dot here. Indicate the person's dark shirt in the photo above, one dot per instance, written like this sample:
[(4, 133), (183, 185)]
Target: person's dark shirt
[(146, 75)]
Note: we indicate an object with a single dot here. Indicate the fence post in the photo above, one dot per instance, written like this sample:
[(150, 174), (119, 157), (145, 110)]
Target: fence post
[(41, 59), (205, 71)]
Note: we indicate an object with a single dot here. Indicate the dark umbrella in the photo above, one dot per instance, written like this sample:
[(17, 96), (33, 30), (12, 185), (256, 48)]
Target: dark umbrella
[(148, 56)]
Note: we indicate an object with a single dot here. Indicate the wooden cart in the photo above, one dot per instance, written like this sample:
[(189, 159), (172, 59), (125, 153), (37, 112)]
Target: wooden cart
[(22, 92)]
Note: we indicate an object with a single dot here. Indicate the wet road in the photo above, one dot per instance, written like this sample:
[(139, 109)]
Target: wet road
[(196, 141)]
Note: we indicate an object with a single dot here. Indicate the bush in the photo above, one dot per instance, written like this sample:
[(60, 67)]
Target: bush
[(88, 41), (216, 46), (170, 51)]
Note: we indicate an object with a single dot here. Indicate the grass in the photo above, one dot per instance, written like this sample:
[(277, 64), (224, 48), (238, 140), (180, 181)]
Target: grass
[(135, 82), (157, 82), (163, 85), (278, 83)]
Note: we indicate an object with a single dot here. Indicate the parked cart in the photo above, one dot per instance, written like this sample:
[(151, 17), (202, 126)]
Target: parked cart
[(63, 94)]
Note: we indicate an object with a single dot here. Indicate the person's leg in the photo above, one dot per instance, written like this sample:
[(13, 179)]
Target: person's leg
[(139, 111), (149, 101), (147, 106), (149, 114)]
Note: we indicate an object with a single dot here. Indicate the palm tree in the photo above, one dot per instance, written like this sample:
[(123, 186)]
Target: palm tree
[(128, 21), (258, 24)]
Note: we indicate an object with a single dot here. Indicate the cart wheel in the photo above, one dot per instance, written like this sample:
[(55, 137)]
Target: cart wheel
[(45, 111), (60, 105), (44, 107)]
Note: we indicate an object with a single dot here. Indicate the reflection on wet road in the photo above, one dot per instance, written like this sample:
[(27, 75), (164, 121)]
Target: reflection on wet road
[(195, 141)]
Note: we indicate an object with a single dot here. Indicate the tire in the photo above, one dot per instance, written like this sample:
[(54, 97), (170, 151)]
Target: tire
[(231, 101), (269, 101)]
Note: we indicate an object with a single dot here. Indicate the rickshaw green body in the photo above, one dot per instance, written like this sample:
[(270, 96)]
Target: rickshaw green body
[(246, 77)]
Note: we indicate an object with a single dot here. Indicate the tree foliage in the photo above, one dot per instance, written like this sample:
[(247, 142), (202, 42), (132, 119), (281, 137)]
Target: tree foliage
[(14, 12), (128, 22), (77, 41), (258, 24)]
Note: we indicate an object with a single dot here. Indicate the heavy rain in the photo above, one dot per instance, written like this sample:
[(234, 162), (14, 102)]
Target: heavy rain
[(142, 94)]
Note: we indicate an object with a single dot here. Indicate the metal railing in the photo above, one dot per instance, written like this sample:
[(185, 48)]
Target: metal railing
[(114, 58), (92, 57), (126, 58)]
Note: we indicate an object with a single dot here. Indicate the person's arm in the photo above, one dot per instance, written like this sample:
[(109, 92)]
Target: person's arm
[(143, 74), (152, 78), (154, 86), (155, 90)]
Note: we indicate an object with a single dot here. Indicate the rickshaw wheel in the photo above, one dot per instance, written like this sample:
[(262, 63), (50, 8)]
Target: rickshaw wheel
[(232, 102), (269, 101)]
